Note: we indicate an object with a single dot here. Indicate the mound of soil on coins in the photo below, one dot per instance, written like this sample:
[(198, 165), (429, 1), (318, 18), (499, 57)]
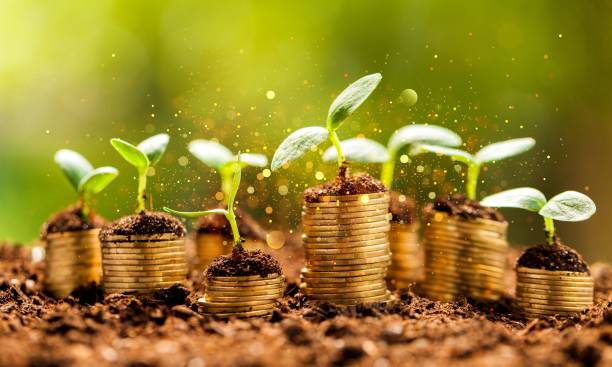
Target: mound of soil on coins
[(145, 223), (71, 219), (553, 257), (460, 205), (243, 262), (402, 208), (345, 184), (217, 223)]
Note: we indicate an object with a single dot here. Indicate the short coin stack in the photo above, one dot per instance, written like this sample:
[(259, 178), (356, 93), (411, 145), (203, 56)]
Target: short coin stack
[(143, 263), (241, 296), (72, 259), (210, 246), (347, 249), (406, 264), (546, 293), (464, 257)]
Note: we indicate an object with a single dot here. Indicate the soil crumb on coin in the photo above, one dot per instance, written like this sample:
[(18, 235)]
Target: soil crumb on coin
[(243, 262), (553, 257), (460, 205), (345, 184), (402, 208), (217, 223), (144, 223), (71, 219)]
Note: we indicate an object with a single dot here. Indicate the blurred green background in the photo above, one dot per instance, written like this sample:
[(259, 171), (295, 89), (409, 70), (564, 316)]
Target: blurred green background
[(75, 74)]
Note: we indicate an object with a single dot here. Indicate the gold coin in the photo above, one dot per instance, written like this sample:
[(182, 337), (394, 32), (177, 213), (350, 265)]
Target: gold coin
[(405, 258), (348, 296), (345, 227), (205, 302), (347, 281), (349, 262), (531, 312), (268, 283), (582, 303), (574, 308), (522, 269), (145, 257), (245, 278), (166, 261), (355, 197), (127, 285), (548, 289), (215, 298), (346, 246), (310, 251), (558, 283), (381, 227), (466, 270), (346, 207), (342, 222), (328, 268), (309, 289), (142, 251), (459, 258), (150, 279), (151, 267), (348, 256), (310, 217), (157, 237), (555, 278), (346, 212), (156, 273), (369, 270), (554, 297), (463, 245), (240, 292), (343, 239), (227, 309), (362, 300), (143, 244), (242, 314), (346, 204)]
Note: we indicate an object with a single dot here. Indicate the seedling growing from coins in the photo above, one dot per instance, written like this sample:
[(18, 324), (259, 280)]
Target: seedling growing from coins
[(488, 154), (305, 139), (364, 150), (86, 180), (142, 156)]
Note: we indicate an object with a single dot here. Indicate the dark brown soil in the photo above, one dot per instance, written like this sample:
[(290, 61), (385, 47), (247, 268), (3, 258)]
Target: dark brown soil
[(71, 220), (345, 184), (553, 257), (460, 205), (402, 211), (143, 224), (217, 223), (243, 262)]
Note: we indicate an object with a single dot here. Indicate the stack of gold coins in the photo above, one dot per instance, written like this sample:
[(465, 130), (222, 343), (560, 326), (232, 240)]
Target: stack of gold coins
[(546, 293), (143, 263), (464, 258), (241, 296), (209, 246), (72, 259), (347, 249), (406, 264)]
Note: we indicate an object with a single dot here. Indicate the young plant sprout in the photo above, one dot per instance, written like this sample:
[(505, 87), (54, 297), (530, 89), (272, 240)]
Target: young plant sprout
[(307, 138), (229, 212), (220, 158), (490, 153), (368, 151), (85, 179), (142, 156), (568, 206)]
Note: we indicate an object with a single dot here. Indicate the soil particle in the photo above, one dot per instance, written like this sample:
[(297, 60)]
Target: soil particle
[(553, 257), (402, 208), (345, 184), (460, 205), (217, 223), (145, 223), (71, 219), (243, 262)]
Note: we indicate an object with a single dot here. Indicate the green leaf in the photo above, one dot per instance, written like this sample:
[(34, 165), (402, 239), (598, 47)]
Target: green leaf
[(253, 160), (358, 150), (154, 147), (97, 180), (350, 99), (523, 198), (297, 144), (74, 166), (569, 206), (195, 214), (504, 149), (235, 183), (130, 153), (454, 154), (211, 153), (423, 134)]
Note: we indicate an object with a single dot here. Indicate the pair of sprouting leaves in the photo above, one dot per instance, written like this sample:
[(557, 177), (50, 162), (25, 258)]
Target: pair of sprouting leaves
[(568, 206), (305, 139), (145, 154), (85, 179), (217, 156)]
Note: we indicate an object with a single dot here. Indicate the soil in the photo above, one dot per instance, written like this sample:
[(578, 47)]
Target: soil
[(553, 257), (460, 205), (402, 208), (165, 330), (71, 220), (217, 223), (243, 262), (345, 184), (144, 223)]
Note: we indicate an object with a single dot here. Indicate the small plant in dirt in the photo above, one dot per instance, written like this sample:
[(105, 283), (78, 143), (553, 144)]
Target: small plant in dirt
[(142, 156), (308, 138), (488, 154), (84, 178)]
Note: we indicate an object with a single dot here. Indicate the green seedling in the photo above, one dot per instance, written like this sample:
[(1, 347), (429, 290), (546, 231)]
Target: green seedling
[(229, 212), (220, 158), (142, 156), (368, 151), (85, 179), (308, 138), (488, 154), (568, 206)]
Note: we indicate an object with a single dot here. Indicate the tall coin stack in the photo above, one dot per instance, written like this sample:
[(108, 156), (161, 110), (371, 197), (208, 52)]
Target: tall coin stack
[(464, 258), (143, 263), (546, 293), (72, 259), (241, 296), (406, 263), (347, 248)]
